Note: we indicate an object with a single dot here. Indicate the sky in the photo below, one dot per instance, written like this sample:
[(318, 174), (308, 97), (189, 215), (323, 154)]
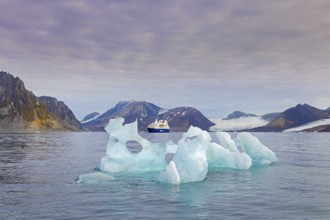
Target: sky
[(256, 56)]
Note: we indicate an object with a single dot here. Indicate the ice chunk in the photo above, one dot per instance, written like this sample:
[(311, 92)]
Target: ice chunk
[(121, 134), (190, 158), (260, 154), (226, 141), (189, 163), (94, 178), (148, 157), (171, 148), (219, 157), (170, 175)]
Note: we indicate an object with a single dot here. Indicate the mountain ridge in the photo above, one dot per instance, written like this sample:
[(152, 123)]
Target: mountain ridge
[(239, 114), (179, 118), (62, 112), (293, 117), (21, 111)]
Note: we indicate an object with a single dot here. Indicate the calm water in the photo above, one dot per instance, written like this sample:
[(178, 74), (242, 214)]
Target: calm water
[(38, 172)]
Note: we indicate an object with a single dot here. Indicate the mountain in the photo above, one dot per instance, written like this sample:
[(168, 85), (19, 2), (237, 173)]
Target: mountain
[(130, 111), (271, 116), (179, 119), (22, 111), (314, 126), (325, 128), (239, 114), (240, 121), (62, 112), (90, 117), (328, 110), (293, 117)]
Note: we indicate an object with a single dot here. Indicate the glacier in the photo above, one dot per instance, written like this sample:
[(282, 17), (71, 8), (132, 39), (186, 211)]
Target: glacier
[(192, 157)]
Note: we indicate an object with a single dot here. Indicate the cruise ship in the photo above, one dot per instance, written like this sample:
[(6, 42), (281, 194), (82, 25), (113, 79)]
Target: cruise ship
[(159, 126)]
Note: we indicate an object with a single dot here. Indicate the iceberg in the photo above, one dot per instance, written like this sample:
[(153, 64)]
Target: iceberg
[(150, 156), (170, 174), (226, 141), (260, 154), (189, 160), (219, 157)]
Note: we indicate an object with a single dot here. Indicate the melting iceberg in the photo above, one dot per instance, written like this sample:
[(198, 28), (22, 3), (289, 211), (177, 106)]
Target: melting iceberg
[(120, 159), (193, 155), (259, 153), (190, 160)]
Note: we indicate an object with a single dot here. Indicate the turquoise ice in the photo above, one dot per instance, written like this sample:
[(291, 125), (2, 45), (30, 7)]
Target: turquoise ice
[(194, 154)]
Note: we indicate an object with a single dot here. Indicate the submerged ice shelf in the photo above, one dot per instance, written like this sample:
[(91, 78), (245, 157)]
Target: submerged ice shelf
[(193, 155)]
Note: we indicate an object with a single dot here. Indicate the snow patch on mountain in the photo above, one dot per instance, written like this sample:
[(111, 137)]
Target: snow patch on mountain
[(90, 119), (162, 111), (308, 125)]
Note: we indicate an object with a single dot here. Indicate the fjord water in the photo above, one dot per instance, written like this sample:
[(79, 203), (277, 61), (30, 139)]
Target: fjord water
[(38, 172)]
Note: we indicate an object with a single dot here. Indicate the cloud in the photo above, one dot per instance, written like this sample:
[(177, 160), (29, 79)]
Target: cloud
[(202, 52)]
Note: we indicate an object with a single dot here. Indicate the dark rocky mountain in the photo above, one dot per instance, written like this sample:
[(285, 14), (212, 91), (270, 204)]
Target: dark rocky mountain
[(62, 112), (238, 114), (271, 116), (89, 117), (293, 117), (328, 110), (130, 111), (325, 128), (321, 128), (22, 111), (179, 119)]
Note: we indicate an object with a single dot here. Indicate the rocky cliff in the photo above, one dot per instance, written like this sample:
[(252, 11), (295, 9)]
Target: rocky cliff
[(22, 111), (62, 112)]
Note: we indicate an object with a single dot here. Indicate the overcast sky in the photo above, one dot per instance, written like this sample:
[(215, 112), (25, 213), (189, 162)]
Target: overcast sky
[(257, 56)]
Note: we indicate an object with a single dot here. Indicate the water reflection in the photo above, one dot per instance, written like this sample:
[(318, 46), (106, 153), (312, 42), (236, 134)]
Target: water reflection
[(15, 150)]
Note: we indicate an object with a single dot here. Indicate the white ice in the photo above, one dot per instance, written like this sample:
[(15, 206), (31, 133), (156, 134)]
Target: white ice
[(226, 141), (119, 159), (260, 154), (190, 158), (219, 157), (194, 154), (237, 124), (309, 125), (94, 178), (170, 174)]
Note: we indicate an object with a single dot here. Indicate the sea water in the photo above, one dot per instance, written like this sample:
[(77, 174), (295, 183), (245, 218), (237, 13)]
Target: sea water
[(38, 173)]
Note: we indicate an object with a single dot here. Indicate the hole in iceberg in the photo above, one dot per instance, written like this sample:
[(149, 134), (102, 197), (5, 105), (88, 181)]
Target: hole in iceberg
[(133, 146)]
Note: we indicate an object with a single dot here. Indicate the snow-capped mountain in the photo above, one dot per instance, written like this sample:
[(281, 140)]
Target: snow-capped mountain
[(294, 117), (299, 118), (179, 119), (315, 126), (90, 117), (239, 114)]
